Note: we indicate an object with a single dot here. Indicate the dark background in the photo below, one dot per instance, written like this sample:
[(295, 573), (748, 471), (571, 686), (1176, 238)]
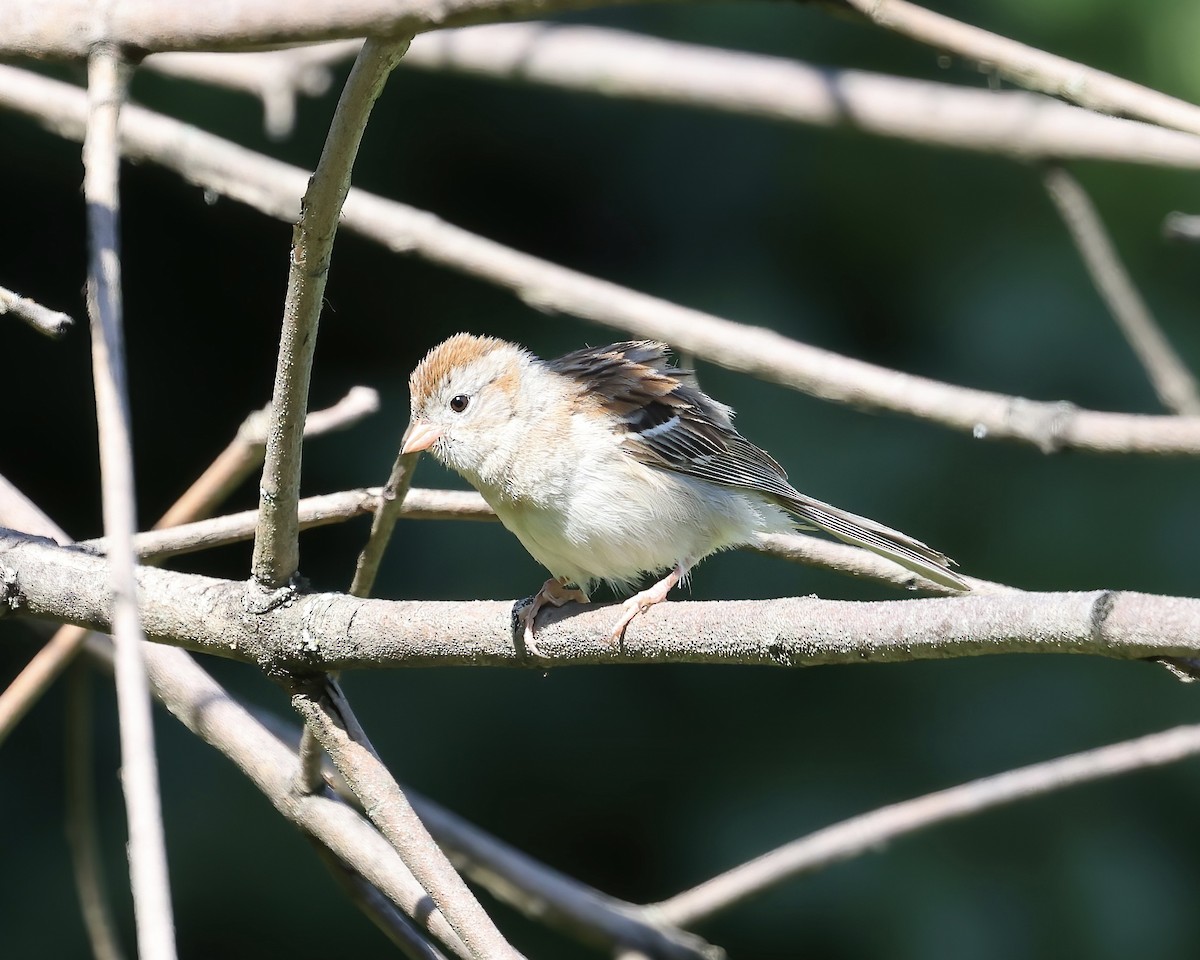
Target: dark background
[(644, 781)]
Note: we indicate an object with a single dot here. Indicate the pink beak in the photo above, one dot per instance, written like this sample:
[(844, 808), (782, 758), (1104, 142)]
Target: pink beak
[(420, 435)]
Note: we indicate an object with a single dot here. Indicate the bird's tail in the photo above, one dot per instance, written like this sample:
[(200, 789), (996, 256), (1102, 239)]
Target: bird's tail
[(861, 532)]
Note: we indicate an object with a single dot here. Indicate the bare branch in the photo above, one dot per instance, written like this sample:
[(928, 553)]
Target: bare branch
[(81, 822), (615, 63), (245, 453), (44, 320), (871, 831), (107, 80), (1173, 382), (325, 632), (390, 811), (272, 187), (66, 28), (213, 715), (276, 543), (1030, 67), (424, 504), (391, 505)]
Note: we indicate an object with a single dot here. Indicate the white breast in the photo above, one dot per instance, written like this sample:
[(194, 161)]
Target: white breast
[(613, 518)]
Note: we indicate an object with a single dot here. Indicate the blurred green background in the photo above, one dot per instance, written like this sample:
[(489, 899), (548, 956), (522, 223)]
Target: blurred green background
[(644, 781)]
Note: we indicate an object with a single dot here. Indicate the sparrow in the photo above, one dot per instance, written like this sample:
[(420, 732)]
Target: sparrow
[(610, 464)]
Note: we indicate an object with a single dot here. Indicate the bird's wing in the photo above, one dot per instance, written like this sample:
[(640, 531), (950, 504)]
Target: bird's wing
[(670, 423)]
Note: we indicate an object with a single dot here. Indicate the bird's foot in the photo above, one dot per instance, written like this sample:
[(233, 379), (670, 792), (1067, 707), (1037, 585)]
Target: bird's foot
[(641, 602), (554, 592)]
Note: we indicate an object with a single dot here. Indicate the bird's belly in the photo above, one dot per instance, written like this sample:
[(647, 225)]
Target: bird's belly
[(587, 539)]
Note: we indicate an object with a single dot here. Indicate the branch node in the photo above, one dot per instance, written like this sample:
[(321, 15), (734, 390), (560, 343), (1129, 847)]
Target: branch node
[(261, 600)]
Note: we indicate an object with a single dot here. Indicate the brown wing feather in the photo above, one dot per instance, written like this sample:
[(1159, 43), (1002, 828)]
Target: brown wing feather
[(672, 424)]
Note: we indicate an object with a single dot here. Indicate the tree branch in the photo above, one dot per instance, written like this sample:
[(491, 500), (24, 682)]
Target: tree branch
[(272, 187), (44, 320), (276, 543), (620, 64), (388, 808), (1030, 67), (323, 632), (871, 831), (65, 28), (1172, 381), (81, 821), (107, 80)]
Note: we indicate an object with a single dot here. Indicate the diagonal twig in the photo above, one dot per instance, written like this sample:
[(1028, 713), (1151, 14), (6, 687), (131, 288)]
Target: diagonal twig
[(1030, 67), (1172, 381), (870, 831), (390, 811), (107, 80)]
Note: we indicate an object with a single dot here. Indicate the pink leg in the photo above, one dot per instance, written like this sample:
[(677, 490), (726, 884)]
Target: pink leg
[(641, 602), (554, 592)]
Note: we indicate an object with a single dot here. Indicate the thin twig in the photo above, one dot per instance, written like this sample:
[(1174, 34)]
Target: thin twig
[(1030, 67), (107, 79), (245, 452), (276, 542), (242, 456), (332, 631), (390, 811), (391, 506), (98, 918), (1172, 381), (870, 831), (425, 504), (44, 320), (272, 187)]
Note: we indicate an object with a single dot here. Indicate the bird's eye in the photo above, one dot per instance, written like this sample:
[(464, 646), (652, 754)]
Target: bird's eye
[(459, 404)]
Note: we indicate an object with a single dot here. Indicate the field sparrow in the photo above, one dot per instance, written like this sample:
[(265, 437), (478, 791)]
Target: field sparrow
[(609, 464)]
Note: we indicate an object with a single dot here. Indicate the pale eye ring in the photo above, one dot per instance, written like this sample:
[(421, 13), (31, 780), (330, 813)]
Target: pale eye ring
[(459, 403)]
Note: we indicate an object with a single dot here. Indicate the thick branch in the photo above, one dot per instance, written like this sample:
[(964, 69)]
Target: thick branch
[(337, 632), (272, 187), (614, 63), (67, 28), (619, 64)]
